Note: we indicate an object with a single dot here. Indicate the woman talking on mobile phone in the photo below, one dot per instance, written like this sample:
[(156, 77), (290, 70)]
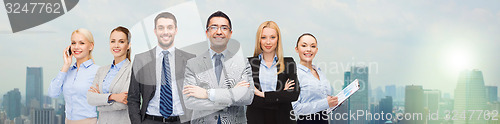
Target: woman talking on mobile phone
[(110, 87), (74, 80)]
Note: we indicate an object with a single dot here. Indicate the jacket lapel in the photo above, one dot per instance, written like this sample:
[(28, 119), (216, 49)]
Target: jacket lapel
[(118, 76), (152, 72), (256, 67), (207, 59), (101, 78), (180, 62)]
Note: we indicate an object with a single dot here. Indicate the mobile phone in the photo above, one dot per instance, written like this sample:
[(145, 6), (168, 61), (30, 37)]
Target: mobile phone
[(69, 51)]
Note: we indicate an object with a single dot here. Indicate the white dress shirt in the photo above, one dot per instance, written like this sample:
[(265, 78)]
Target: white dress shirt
[(154, 103)]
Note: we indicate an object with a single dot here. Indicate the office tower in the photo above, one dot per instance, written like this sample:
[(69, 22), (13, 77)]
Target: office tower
[(60, 108), (400, 93), (445, 106), (431, 104), (447, 96), (344, 107), (12, 103), (390, 90), (492, 93), (414, 104), (42, 116), (47, 102), (34, 87), (377, 94), (470, 95), (359, 100), (385, 106), (370, 117), (21, 120)]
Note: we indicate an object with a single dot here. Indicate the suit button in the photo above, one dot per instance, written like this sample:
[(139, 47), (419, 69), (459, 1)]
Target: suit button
[(277, 99), (215, 117)]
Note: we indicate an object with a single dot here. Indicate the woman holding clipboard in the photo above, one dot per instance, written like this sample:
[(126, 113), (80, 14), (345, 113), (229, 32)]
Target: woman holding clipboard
[(315, 95)]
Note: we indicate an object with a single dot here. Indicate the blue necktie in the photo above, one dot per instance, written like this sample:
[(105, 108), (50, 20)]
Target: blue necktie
[(218, 71), (166, 90), (218, 66)]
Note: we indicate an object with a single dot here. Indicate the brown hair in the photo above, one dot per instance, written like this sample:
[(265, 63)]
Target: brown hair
[(166, 15), (127, 33)]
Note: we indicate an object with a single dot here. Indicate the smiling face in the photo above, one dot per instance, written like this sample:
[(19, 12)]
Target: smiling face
[(269, 40), (80, 46), (118, 44), (165, 31), (218, 37), (307, 48)]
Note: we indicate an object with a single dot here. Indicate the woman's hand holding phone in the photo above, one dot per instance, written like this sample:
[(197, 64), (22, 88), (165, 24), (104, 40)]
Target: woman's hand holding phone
[(67, 59)]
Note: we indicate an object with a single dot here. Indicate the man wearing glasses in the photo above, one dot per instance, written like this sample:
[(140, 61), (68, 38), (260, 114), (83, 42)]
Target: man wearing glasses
[(217, 83)]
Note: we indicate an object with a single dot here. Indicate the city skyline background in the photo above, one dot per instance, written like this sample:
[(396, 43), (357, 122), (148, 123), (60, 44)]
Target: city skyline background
[(411, 42)]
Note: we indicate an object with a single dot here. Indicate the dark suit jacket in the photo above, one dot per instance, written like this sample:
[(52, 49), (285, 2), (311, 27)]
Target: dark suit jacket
[(143, 83), (276, 106)]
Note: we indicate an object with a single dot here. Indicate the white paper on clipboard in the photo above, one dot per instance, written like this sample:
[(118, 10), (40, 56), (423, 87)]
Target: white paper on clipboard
[(346, 93)]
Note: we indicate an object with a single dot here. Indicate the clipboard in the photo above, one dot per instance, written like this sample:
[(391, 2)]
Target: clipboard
[(345, 94)]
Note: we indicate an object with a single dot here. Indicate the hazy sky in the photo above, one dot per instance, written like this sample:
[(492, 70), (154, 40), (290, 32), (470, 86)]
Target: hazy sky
[(421, 42)]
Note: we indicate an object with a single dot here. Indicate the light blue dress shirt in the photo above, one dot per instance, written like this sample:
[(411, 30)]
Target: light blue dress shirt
[(267, 75), (313, 92), (154, 103), (111, 75), (74, 85)]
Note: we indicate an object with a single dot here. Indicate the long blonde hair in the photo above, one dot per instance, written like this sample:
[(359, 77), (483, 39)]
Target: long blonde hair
[(279, 48), (86, 33)]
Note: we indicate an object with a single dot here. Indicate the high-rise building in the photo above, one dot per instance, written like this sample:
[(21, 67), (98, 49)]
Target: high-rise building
[(414, 104), (60, 111), (432, 99), (34, 87), (492, 93), (470, 95), (385, 106), (445, 106), (344, 107), (42, 116), (359, 100), (377, 94), (12, 103), (390, 90)]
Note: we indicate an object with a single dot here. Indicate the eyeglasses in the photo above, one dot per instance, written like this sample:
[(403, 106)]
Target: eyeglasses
[(215, 28)]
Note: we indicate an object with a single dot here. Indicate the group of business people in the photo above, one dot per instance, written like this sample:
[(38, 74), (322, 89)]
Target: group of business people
[(170, 85)]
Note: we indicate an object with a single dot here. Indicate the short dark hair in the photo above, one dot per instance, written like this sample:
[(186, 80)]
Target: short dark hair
[(219, 14), (305, 34), (167, 15)]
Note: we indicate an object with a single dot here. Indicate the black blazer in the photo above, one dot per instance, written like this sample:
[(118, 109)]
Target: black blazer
[(276, 106)]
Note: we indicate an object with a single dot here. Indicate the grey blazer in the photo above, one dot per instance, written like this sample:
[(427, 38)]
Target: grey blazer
[(143, 83), (111, 113), (229, 102)]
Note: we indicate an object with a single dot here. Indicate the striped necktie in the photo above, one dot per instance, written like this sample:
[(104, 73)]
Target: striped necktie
[(166, 106)]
